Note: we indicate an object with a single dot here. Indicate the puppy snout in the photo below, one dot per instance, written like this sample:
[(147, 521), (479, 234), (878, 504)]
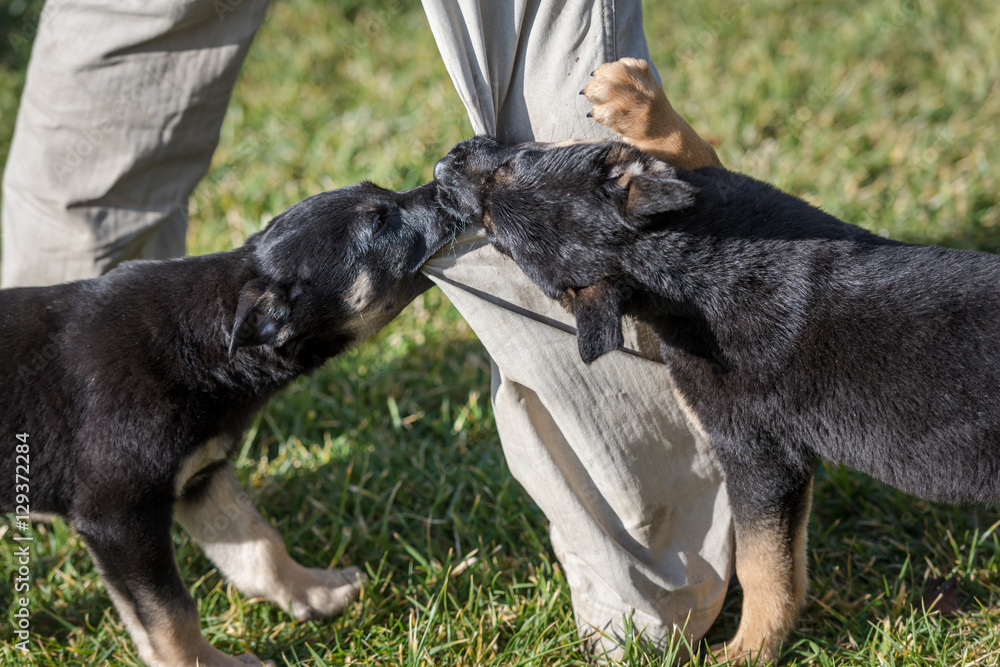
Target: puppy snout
[(441, 168)]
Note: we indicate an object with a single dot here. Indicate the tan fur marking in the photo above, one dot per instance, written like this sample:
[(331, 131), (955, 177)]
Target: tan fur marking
[(212, 451), (800, 547), (693, 420), (773, 579), (571, 142), (177, 640), (766, 570), (127, 613), (628, 100), (172, 639), (251, 553), (363, 325), (371, 309), (633, 170), (657, 166), (566, 300), (360, 295), (488, 222)]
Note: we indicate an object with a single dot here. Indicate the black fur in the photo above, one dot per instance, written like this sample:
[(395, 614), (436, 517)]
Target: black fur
[(791, 334), (117, 379), (784, 326)]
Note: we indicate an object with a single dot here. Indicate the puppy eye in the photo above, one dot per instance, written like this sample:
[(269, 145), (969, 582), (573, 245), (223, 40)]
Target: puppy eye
[(385, 220)]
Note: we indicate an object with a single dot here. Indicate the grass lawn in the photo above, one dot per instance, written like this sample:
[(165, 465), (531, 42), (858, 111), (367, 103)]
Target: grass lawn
[(884, 112)]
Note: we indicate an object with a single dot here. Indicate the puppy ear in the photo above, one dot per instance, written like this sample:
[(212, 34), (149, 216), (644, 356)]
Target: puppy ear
[(263, 316), (598, 310), (652, 185), (655, 192)]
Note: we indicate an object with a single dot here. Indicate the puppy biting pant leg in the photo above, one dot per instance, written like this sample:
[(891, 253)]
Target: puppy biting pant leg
[(636, 508), (250, 552)]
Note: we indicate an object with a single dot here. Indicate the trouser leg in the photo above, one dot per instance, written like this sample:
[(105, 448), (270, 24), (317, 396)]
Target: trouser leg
[(118, 121), (638, 515)]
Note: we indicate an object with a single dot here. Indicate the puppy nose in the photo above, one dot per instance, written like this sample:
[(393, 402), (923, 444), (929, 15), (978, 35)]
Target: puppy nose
[(441, 167)]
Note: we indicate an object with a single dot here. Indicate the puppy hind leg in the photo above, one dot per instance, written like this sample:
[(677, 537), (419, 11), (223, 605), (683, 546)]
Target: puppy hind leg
[(134, 555), (249, 551), (771, 568)]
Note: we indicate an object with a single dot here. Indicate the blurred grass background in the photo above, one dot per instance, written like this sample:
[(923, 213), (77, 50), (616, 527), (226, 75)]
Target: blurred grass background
[(884, 113)]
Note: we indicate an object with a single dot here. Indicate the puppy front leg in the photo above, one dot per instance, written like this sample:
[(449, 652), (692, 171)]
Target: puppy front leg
[(770, 564), (134, 554), (250, 552), (628, 100)]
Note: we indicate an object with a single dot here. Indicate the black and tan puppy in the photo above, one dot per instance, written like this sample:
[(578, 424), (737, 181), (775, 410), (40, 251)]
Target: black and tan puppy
[(133, 389), (789, 334)]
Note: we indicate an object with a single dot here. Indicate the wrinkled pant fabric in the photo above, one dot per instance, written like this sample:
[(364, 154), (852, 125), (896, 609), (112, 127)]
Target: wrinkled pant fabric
[(637, 512), (118, 121)]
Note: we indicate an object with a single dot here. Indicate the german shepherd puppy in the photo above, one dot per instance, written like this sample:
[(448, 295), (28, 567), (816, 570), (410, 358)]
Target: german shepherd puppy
[(789, 334), (124, 396)]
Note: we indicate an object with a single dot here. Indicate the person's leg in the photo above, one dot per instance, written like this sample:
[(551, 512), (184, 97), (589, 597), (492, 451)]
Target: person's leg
[(119, 117), (638, 514)]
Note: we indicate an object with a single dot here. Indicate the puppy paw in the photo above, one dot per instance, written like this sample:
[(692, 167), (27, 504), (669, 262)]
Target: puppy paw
[(627, 99), (736, 653), (181, 648), (322, 593)]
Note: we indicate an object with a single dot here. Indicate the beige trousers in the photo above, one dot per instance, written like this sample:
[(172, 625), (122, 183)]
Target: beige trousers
[(637, 512), (114, 132)]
